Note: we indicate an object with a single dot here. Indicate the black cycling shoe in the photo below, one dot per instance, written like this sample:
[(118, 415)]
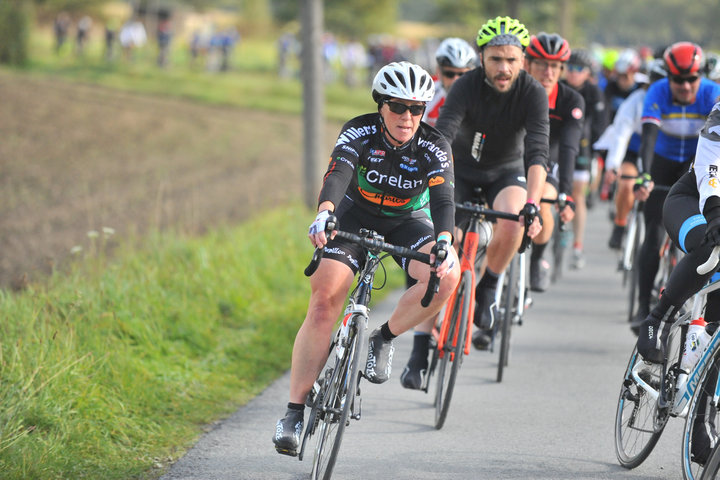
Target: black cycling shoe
[(484, 300), (287, 432), (481, 339), (652, 337), (616, 237), (379, 359), (414, 373), (539, 275)]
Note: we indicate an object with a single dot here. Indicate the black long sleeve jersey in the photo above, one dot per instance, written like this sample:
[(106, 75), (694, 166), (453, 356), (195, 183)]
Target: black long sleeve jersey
[(387, 181), (567, 116), (489, 129)]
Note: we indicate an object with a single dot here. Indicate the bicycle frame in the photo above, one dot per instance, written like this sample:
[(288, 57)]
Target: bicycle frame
[(520, 303), (686, 389)]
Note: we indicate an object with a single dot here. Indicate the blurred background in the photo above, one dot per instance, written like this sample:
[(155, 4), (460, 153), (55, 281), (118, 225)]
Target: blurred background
[(134, 116)]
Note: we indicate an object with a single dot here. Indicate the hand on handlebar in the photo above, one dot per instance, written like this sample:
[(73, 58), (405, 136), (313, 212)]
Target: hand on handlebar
[(448, 258), (566, 206), (712, 232), (532, 219), (324, 222), (643, 186)]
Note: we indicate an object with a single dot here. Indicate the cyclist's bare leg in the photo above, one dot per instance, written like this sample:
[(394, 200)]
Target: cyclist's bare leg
[(329, 286), (624, 197), (578, 194), (546, 213), (409, 312), (507, 234)]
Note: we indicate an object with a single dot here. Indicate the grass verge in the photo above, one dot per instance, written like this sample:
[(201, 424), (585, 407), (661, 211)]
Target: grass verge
[(112, 370)]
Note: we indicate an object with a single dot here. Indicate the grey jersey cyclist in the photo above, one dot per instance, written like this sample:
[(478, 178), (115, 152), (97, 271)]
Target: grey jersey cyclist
[(385, 169)]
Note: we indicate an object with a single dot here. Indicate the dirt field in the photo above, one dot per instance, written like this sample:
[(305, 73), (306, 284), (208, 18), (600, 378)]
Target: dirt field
[(76, 158)]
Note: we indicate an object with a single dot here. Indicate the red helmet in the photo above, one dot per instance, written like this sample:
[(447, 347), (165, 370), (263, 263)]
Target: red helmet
[(683, 58), (549, 46)]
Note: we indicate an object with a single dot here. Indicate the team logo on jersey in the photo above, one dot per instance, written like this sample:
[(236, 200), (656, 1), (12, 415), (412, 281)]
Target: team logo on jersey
[(375, 159), (382, 199), (436, 181), (577, 113), (713, 182), (379, 153), (712, 170)]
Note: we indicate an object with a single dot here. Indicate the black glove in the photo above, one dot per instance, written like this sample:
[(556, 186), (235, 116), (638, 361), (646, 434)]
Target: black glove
[(565, 200), (712, 232), (530, 211), (642, 181), (440, 250)]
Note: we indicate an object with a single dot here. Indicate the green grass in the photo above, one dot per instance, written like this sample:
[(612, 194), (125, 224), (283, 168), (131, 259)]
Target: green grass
[(251, 83), (110, 371)]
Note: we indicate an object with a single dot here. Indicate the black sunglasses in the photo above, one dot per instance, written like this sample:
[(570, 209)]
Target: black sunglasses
[(400, 108), (680, 79), (452, 74)]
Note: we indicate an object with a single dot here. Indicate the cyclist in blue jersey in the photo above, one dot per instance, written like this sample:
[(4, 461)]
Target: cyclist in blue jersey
[(385, 169), (674, 111)]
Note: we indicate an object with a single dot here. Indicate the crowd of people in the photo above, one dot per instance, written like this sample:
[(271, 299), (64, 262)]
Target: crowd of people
[(526, 117)]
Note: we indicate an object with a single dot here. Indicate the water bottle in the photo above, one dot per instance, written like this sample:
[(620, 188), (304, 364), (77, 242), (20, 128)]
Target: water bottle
[(696, 340)]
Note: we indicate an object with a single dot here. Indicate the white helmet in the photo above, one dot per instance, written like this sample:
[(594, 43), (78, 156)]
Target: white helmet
[(627, 60), (403, 80), (455, 52)]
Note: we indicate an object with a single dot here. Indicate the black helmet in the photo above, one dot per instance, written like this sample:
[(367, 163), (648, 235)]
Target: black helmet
[(581, 57), (548, 46)]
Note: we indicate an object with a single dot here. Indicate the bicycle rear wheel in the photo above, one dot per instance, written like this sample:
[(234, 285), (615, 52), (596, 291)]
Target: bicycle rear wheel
[(453, 350), (637, 429), (508, 312), (337, 402), (712, 467), (700, 425)]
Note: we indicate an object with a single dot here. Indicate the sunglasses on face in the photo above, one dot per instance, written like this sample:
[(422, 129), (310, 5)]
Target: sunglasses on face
[(400, 108), (575, 68), (680, 80), (451, 74)]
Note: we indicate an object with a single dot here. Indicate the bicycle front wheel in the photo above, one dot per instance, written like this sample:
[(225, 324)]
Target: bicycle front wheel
[(338, 400), (636, 428), (453, 349), (508, 312), (700, 431)]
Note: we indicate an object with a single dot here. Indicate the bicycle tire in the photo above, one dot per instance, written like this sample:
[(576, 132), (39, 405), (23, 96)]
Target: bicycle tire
[(629, 249), (706, 388), (636, 429), (508, 303), (338, 399), (712, 467), (453, 349)]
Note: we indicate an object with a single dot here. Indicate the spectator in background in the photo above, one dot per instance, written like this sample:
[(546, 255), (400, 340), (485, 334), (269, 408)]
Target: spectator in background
[(132, 37), (111, 33), (164, 35), (83, 32), (60, 28)]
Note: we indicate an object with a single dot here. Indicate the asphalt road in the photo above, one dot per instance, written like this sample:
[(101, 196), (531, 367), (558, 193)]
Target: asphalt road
[(552, 417)]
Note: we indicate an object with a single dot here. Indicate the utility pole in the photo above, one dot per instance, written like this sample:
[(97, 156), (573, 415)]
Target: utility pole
[(313, 95)]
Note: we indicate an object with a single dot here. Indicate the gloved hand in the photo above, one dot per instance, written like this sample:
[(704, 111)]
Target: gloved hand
[(712, 232), (319, 224), (642, 181), (565, 200)]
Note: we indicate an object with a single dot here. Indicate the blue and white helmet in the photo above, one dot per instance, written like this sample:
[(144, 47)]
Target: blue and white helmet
[(455, 52), (403, 80)]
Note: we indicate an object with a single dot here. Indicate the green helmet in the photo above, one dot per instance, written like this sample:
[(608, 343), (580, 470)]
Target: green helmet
[(503, 31)]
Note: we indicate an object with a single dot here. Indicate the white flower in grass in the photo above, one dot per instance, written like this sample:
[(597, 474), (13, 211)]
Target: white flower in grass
[(93, 234), (108, 231), (76, 249)]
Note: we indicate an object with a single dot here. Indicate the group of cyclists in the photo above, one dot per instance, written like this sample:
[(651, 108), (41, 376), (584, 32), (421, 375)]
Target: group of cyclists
[(524, 118)]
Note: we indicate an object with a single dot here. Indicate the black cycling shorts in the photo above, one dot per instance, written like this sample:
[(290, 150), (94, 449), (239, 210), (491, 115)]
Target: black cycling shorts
[(492, 182), (410, 231)]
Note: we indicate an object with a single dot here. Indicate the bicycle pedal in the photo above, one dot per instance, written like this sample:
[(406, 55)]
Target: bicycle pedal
[(286, 451)]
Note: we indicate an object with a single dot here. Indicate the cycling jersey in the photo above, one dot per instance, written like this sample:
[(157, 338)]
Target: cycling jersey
[(388, 181), (595, 116), (624, 133), (707, 162), (615, 96), (489, 129), (432, 109), (679, 125), (567, 115)]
